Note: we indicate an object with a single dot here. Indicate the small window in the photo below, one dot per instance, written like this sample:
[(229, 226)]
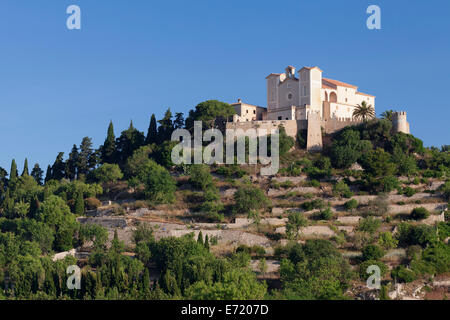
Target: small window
[(247, 111), (254, 111), (279, 118), (290, 96)]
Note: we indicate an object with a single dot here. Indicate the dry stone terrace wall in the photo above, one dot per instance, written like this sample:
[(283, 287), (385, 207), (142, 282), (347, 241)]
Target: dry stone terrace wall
[(394, 209)]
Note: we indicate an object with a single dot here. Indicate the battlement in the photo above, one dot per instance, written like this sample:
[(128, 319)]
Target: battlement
[(399, 114)]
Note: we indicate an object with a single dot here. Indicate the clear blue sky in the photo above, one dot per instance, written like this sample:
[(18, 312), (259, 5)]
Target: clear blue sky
[(134, 58)]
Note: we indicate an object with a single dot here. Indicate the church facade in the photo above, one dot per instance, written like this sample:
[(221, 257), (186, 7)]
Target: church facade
[(307, 101), (294, 97)]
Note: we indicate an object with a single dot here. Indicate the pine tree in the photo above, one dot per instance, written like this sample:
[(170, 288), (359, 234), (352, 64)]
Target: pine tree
[(84, 157), (166, 127), (152, 134), (25, 171), (129, 141), (179, 120), (37, 174), (108, 150), (79, 204), (13, 174)]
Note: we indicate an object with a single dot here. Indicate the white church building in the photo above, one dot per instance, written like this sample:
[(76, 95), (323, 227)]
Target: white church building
[(291, 97)]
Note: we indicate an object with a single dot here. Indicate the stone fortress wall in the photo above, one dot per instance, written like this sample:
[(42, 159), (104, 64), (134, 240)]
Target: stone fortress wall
[(314, 125)]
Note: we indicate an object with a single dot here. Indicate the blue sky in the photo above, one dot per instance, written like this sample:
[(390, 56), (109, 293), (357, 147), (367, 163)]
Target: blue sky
[(134, 58)]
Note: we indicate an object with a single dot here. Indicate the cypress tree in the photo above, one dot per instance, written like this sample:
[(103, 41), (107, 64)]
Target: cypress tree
[(152, 133), (146, 284), (25, 171), (72, 163), (58, 167), (207, 242), (200, 238), (79, 203), (108, 150), (34, 207), (48, 175), (13, 174)]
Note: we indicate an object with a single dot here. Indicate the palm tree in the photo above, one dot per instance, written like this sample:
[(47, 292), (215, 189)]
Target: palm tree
[(364, 111), (387, 114)]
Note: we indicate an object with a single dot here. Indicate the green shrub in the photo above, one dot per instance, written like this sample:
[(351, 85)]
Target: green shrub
[(108, 173), (445, 189), (401, 274), (326, 214), (92, 203), (199, 176), (341, 189), (369, 225), (372, 252), (421, 235), (249, 198), (351, 204), (386, 240), (409, 192), (314, 183), (420, 213)]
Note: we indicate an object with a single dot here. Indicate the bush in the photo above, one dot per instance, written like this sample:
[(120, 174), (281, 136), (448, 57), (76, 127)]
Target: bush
[(363, 268), (421, 235), (445, 189), (285, 142), (409, 192), (341, 189), (387, 241), (326, 214), (351, 204), (420, 213), (369, 225), (314, 183), (159, 186), (108, 173), (200, 176), (323, 163), (249, 198), (314, 204), (372, 252), (92, 203), (230, 171), (401, 274)]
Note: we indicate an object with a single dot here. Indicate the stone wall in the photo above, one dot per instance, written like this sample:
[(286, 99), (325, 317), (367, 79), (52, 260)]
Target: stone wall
[(291, 126)]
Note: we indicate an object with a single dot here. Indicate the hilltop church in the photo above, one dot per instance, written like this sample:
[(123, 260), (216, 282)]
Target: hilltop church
[(307, 102)]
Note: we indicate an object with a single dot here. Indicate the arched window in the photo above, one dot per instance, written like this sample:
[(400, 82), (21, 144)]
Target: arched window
[(333, 97)]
